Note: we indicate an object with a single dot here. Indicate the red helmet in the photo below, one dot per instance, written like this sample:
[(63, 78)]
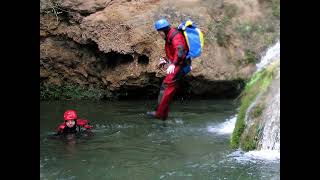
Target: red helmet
[(70, 115)]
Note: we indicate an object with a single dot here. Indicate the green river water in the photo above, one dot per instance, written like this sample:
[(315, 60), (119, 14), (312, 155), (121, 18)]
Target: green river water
[(192, 144)]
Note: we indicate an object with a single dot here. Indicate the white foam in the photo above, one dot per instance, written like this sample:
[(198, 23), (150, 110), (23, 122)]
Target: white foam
[(225, 127), (270, 155), (252, 156)]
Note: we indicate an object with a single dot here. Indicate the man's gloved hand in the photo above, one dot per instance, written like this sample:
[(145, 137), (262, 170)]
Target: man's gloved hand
[(162, 62), (170, 69)]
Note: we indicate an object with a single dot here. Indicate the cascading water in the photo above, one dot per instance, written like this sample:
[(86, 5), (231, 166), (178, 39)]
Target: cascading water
[(224, 128), (271, 133), (269, 145), (272, 54)]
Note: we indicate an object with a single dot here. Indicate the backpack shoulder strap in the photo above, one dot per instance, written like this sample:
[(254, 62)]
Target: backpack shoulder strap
[(172, 35)]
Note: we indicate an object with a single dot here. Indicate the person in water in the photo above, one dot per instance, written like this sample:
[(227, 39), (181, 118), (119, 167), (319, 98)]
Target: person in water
[(176, 50), (72, 124)]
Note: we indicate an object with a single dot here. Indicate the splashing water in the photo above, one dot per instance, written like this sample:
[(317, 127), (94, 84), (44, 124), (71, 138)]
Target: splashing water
[(272, 54), (224, 128), (227, 127), (253, 156), (269, 155), (266, 153)]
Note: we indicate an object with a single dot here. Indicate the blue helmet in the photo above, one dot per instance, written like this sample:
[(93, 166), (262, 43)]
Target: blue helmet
[(160, 24)]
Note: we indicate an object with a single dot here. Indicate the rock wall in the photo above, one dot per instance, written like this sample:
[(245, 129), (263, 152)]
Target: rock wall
[(111, 44)]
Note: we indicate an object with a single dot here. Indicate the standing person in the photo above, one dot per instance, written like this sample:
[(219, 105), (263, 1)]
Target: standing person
[(176, 50)]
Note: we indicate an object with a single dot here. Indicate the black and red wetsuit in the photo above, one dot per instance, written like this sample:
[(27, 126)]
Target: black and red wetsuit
[(176, 50), (80, 123)]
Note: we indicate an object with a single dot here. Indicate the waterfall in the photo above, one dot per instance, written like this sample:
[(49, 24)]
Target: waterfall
[(268, 147), (225, 127), (272, 54), (271, 133)]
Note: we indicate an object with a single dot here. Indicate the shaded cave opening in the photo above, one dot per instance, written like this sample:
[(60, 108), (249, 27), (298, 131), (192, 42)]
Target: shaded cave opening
[(143, 59), (191, 88)]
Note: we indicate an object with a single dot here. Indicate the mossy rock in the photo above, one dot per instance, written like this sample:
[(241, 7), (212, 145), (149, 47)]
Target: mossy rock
[(258, 83), (256, 112)]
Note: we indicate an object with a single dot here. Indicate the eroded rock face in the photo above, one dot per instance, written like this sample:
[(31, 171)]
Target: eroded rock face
[(111, 44)]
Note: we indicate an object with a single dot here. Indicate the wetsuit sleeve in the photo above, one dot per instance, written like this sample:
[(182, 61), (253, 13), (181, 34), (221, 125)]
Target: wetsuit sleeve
[(88, 126), (60, 128), (84, 123), (178, 43)]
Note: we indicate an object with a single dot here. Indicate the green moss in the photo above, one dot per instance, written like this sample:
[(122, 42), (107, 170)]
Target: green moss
[(217, 32), (270, 39), (209, 36), (250, 139), (240, 124), (276, 8), (245, 29), (250, 143), (250, 56), (257, 84), (257, 111), (222, 37), (70, 92)]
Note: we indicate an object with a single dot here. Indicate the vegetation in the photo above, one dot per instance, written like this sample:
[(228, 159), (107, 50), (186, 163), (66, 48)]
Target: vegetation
[(217, 29), (70, 92), (276, 8), (257, 84), (257, 111)]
